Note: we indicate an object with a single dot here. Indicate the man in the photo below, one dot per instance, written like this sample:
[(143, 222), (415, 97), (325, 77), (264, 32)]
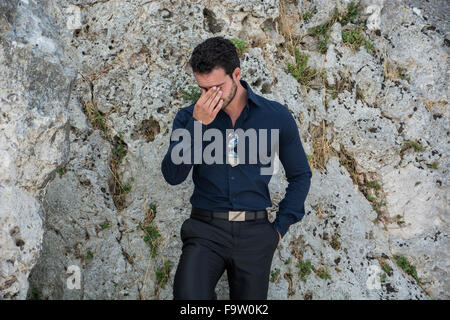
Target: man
[(229, 227)]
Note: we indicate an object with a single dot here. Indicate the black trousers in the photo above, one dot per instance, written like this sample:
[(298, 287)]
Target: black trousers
[(210, 246)]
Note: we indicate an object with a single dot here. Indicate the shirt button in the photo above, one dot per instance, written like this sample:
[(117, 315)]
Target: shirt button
[(232, 178)]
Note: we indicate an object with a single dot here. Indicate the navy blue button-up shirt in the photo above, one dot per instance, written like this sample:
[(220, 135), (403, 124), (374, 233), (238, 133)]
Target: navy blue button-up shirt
[(224, 187)]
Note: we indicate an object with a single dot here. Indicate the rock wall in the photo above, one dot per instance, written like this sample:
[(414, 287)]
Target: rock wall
[(371, 106), (35, 86)]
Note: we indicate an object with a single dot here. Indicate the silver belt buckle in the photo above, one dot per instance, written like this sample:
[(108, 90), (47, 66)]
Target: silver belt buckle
[(236, 215)]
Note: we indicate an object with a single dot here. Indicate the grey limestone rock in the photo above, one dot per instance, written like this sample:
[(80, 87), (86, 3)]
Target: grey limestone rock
[(373, 120)]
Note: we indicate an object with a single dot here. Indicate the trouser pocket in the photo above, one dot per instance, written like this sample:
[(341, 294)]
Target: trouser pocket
[(275, 232), (183, 229)]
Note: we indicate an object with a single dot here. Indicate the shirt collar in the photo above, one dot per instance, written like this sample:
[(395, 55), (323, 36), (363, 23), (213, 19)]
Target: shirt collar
[(250, 94)]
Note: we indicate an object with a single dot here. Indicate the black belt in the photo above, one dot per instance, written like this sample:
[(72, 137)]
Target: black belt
[(243, 215)]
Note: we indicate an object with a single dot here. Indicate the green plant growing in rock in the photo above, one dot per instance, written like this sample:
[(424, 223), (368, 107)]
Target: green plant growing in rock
[(151, 238), (369, 189), (393, 71), (379, 213), (322, 44), (322, 31), (100, 119), (119, 148), (355, 39), (375, 185), (400, 220), (306, 16), (406, 266), (300, 70), (89, 255), (192, 95), (322, 273), (162, 274), (412, 144), (105, 225), (376, 206), (353, 10), (35, 294), (240, 45), (117, 187), (434, 165), (403, 75), (120, 151), (359, 93), (274, 275), (61, 171), (305, 268), (334, 95), (126, 188), (386, 267), (151, 232), (95, 117)]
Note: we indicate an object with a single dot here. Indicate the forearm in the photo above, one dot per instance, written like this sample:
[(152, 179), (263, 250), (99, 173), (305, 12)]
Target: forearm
[(174, 173), (291, 208), (179, 158), (298, 175)]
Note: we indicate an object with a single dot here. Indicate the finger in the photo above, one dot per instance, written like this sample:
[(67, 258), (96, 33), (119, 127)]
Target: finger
[(212, 94), (217, 108), (215, 100), (202, 96)]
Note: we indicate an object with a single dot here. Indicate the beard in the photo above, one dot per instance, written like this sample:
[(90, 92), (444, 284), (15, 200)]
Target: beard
[(231, 96)]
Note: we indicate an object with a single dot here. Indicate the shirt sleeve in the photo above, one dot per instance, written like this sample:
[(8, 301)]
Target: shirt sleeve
[(298, 174), (176, 173)]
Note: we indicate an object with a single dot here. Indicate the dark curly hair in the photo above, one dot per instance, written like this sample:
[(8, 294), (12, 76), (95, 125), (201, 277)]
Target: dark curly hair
[(212, 53)]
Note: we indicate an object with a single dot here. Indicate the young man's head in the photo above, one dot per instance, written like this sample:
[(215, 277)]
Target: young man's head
[(215, 62)]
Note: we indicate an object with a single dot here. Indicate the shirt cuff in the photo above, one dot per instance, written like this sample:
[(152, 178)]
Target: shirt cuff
[(283, 222)]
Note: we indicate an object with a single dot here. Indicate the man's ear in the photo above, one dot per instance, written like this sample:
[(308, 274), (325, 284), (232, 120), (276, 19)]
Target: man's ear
[(237, 74)]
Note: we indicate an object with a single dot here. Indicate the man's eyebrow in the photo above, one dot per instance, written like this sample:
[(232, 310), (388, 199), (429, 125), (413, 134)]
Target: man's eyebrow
[(212, 86)]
